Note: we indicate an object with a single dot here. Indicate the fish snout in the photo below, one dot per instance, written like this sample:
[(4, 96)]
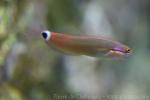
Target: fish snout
[(128, 51)]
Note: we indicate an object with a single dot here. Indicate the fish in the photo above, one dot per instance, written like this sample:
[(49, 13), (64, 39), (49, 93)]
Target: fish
[(89, 45)]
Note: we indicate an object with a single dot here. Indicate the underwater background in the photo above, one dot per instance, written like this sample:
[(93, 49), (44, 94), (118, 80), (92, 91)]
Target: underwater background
[(31, 70)]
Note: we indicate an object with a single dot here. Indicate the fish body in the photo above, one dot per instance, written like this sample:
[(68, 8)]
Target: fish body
[(94, 46)]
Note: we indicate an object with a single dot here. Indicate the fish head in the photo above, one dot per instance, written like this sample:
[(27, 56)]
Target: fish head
[(119, 50)]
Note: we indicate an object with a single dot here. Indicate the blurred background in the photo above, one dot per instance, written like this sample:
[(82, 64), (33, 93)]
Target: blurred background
[(30, 70)]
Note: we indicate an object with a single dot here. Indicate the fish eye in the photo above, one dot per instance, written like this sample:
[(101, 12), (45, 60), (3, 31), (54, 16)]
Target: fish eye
[(128, 50), (46, 34)]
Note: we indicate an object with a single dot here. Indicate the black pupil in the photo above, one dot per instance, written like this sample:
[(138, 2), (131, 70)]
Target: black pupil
[(44, 35), (128, 50)]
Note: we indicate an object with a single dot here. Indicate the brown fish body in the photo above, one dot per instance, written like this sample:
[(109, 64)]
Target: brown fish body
[(85, 45)]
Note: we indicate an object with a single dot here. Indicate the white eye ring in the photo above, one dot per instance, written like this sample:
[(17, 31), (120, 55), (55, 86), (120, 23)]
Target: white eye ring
[(46, 34)]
